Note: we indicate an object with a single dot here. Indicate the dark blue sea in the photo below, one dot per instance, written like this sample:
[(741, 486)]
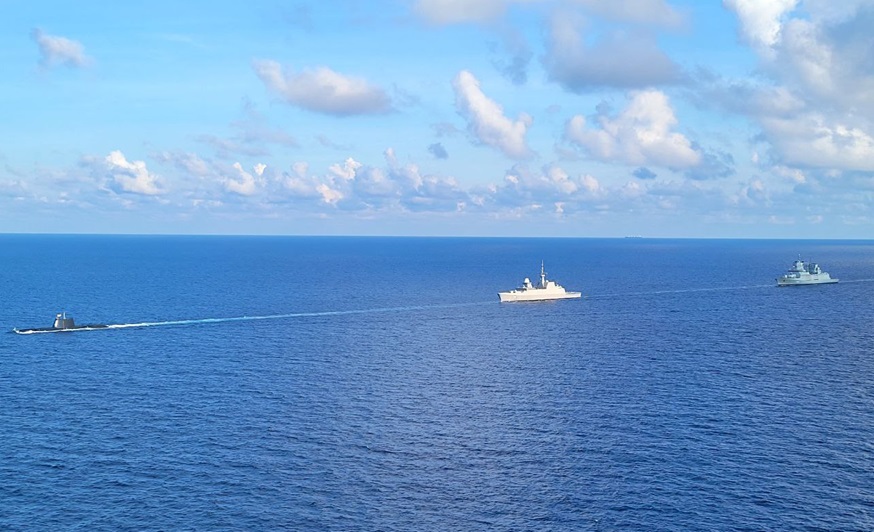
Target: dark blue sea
[(309, 383)]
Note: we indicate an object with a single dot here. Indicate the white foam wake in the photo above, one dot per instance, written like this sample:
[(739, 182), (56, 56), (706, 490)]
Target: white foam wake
[(248, 318)]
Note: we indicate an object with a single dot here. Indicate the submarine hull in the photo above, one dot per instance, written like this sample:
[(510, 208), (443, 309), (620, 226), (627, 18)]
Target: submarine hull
[(36, 330)]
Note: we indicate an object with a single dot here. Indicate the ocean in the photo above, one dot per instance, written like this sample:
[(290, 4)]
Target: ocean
[(344, 383)]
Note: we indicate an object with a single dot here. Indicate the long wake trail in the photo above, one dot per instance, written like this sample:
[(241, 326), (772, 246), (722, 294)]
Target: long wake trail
[(255, 318), (709, 289)]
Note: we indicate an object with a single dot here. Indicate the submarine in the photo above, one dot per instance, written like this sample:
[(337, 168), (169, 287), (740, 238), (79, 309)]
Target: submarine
[(62, 324)]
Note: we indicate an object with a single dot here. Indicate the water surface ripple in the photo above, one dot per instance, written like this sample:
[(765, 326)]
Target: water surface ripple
[(389, 390)]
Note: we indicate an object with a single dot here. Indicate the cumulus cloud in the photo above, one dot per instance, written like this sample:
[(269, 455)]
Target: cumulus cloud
[(244, 184), (713, 165), (131, 176), (830, 63), (375, 183), (425, 192), (382, 190), (299, 183), (523, 186), (14, 189), (746, 98), (821, 59), (816, 103), (486, 120), (355, 186), (55, 50), (347, 170), (816, 140), (752, 193), (642, 134), (620, 59), (324, 91), (761, 20), (329, 195), (792, 175), (332, 187)]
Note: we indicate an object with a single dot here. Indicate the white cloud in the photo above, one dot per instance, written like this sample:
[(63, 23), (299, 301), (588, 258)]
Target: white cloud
[(323, 90), (131, 176), (793, 175), (299, 183), (822, 53), (525, 186), (560, 180), (746, 99), (245, 183), (810, 59), (15, 189), (329, 195), (354, 186), (819, 141), (375, 182), (56, 50), (830, 64), (632, 189), (392, 189), (590, 184), (761, 20), (347, 171), (486, 120), (640, 135), (300, 168), (752, 193), (818, 111), (416, 191), (623, 59)]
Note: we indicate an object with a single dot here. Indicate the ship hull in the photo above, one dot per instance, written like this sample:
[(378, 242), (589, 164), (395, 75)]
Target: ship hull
[(531, 295), (805, 282), (40, 330)]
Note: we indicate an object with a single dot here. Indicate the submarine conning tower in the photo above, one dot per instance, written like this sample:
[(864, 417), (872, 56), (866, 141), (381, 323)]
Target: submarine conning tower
[(63, 322)]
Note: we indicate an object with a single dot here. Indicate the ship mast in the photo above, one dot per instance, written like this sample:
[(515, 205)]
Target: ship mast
[(542, 276)]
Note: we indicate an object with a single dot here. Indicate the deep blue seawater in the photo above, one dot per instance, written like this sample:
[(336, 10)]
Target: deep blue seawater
[(685, 392)]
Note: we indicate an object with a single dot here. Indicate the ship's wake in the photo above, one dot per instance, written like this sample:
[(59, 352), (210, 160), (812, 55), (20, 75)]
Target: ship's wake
[(680, 291), (247, 318)]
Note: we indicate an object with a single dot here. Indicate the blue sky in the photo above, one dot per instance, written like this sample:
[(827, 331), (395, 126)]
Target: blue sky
[(740, 118)]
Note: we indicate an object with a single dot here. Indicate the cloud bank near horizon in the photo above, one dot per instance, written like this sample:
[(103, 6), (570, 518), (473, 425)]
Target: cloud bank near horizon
[(533, 109)]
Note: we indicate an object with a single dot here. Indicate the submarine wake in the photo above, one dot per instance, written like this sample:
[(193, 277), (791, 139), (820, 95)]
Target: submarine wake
[(201, 321)]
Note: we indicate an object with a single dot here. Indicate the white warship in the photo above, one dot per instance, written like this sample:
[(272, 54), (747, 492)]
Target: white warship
[(804, 273), (544, 291)]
